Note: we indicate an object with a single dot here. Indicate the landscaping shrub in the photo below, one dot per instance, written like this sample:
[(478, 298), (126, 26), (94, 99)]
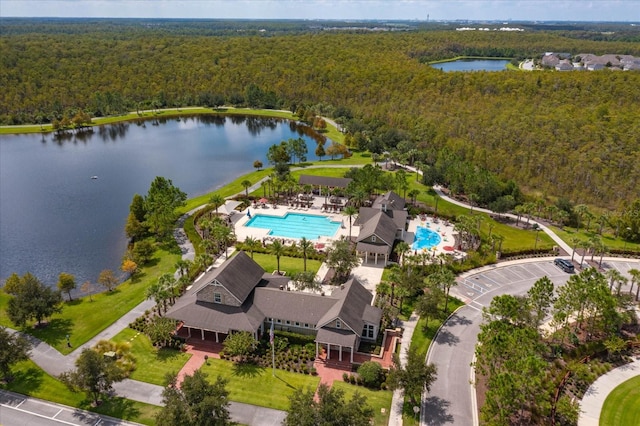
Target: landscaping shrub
[(370, 373)]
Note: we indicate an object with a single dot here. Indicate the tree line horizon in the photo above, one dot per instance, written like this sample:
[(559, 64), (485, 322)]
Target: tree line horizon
[(558, 135)]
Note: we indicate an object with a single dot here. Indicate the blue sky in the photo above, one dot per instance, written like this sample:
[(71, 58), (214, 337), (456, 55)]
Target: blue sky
[(563, 10)]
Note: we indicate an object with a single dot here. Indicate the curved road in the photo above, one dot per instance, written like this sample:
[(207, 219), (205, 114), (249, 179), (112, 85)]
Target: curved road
[(452, 398)]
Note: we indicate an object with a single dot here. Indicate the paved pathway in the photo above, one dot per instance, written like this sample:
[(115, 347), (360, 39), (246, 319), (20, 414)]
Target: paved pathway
[(593, 400), (397, 401)]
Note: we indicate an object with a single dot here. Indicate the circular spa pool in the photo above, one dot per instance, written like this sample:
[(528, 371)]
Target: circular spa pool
[(425, 238)]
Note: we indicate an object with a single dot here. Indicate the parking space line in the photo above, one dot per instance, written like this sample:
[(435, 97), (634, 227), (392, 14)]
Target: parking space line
[(56, 414), (38, 415)]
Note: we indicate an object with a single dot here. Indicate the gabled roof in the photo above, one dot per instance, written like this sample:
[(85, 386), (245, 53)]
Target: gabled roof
[(380, 225), (391, 199), (366, 213), (350, 313), (324, 181), (239, 275)]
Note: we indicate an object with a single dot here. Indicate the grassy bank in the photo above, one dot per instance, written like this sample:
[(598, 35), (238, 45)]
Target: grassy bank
[(83, 318)]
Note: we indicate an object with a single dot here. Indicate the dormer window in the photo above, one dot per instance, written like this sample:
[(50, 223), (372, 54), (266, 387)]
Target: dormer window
[(373, 238), (217, 298), (338, 323)]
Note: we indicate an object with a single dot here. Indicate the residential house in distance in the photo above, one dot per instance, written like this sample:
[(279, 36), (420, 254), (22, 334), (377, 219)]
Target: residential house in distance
[(240, 296), (380, 226), (589, 62)]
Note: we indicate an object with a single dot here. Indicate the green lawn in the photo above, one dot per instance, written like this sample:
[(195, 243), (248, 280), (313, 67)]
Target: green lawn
[(29, 379), (257, 386), (377, 399), (622, 406), (292, 265), (85, 317), (609, 240), (152, 364)]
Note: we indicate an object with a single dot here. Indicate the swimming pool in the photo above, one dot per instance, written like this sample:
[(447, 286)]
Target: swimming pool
[(296, 225), (425, 238)]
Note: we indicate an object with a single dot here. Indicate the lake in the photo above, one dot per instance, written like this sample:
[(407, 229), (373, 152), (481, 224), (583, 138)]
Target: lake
[(473, 65), (54, 218)]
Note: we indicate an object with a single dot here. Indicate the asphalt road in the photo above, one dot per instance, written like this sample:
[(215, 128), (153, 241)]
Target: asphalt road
[(452, 397), (19, 410)]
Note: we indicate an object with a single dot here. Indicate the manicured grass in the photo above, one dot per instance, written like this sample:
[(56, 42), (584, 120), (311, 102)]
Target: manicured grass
[(152, 364), (622, 406), (257, 386), (292, 265), (85, 317), (422, 339), (29, 379), (609, 240), (376, 399)]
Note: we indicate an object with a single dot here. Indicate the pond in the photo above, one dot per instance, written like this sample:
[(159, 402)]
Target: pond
[(473, 65), (64, 201)]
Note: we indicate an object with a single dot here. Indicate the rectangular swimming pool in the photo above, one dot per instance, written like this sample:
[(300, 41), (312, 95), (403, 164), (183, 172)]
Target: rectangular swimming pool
[(296, 225)]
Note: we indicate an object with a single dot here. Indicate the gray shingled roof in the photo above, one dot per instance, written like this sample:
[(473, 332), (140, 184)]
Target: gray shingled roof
[(239, 275), (391, 199), (372, 314), (215, 316), (333, 336), (292, 305), (349, 313), (380, 225), (324, 181), (373, 248), (399, 216)]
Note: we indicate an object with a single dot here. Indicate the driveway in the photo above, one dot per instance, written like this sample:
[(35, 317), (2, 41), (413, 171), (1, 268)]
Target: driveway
[(452, 398)]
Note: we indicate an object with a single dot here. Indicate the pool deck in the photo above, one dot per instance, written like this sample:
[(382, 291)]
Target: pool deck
[(242, 231), (443, 228)]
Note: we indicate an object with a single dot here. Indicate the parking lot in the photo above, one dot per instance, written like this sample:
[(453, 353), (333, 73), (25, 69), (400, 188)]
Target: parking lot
[(452, 396)]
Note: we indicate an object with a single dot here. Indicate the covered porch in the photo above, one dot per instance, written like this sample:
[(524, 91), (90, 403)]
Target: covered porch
[(373, 251), (333, 339)]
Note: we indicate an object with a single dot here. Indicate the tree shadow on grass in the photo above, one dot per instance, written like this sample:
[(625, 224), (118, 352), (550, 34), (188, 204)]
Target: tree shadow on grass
[(26, 381), (54, 332), (120, 408), (245, 369), (167, 354)]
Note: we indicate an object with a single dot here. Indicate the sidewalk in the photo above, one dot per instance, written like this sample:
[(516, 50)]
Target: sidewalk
[(593, 400), (397, 401)]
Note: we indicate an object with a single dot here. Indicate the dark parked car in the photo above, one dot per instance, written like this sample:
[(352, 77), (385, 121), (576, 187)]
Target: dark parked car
[(565, 265)]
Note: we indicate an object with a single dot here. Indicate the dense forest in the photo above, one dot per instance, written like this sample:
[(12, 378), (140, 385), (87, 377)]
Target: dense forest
[(574, 135)]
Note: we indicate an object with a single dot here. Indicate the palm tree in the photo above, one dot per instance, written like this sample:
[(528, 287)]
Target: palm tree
[(473, 200), (202, 261), (305, 247), (635, 279), (183, 266), (277, 249), (614, 276), (402, 248), (580, 211), (413, 194), (574, 245), (596, 243), (418, 166), (350, 211), (251, 244), (217, 200), (246, 185)]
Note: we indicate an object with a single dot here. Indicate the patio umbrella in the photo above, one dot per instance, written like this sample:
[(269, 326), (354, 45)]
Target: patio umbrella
[(263, 200)]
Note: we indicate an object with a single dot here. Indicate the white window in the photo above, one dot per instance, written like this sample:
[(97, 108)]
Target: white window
[(278, 321), (368, 331), (306, 325), (297, 324), (217, 297), (338, 324), (373, 238), (288, 322)]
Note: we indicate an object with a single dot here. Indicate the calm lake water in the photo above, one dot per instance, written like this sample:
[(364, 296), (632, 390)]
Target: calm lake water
[(54, 218), (473, 65)]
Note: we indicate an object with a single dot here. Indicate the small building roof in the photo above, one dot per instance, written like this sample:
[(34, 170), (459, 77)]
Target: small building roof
[(380, 225), (292, 305), (366, 213), (239, 275), (333, 336), (391, 200), (350, 313), (324, 181)]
